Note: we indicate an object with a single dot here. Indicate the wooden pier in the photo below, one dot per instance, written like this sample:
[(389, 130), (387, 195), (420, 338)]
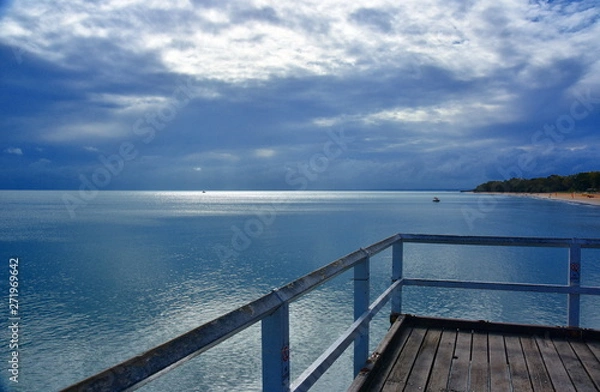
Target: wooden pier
[(428, 354)]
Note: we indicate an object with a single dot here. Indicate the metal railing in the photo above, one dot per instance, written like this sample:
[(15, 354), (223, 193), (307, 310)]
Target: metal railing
[(272, 310)]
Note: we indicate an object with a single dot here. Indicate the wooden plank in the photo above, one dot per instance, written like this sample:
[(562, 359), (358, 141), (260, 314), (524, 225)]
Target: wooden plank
[(503, 328), (479, 363), (538, 375), (580, 378), (399, 375), (589, 361), (443, 360), (516, 363), (417, 380), (429, 357), (499, 372), (378, 379), (459, 370), (594, 346), (556, 370)]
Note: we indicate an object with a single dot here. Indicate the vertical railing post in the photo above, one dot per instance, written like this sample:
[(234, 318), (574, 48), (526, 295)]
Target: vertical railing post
[(276, 350), (574, 282), (361, 304), (397, 258)]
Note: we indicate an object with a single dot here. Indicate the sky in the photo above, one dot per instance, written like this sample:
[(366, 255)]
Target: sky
[(308, 94)]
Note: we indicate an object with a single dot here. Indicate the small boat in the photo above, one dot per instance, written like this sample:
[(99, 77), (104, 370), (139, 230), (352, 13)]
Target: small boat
[(436, 200)]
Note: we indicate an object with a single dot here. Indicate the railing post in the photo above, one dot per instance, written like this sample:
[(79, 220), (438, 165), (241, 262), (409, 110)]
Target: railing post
[(276, 350), (361, 305), (397, 258), (574, 282)]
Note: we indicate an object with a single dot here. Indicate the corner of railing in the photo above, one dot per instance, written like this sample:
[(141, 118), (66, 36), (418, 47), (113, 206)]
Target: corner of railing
[(397, 272)]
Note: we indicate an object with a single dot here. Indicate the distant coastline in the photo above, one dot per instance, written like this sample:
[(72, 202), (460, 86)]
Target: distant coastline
[(573, 197), (587, 182), (577, 188)]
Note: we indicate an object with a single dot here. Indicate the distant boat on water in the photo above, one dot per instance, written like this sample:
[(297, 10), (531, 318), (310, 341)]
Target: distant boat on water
[(436, 200)]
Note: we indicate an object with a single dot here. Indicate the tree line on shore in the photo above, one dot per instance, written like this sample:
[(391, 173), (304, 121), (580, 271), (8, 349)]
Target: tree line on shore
[(581, 182)]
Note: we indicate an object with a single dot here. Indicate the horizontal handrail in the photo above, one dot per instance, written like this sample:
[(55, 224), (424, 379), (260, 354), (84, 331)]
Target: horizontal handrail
[(503, 286), (139, 370), (545, 242)]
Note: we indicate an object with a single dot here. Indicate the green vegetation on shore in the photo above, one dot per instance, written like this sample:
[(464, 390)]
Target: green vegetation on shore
[(582, 182)]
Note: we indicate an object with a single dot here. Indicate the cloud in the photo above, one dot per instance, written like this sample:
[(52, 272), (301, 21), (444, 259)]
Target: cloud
[(261, 15), (443, 91), (273, 41), (264, 152), (40, 164), (376, 19), (13, 151)]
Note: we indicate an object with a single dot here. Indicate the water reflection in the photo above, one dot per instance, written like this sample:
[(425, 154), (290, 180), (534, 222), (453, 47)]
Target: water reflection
[(137, 268)]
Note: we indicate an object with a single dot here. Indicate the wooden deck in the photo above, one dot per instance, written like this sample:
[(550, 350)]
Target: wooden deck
[(426, 354)]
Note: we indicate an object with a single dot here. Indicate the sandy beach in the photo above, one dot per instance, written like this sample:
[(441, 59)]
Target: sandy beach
[(563, 196)]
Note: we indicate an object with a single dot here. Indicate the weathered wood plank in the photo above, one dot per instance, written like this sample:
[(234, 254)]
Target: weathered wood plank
[(556, 370), (589, 361), (417, 381), (574, 367), (499, 372), (459, 369), (443, 360), (516, 363), (430, 357), (399, 375), (538, 375), (376, 384), (594, 346), (479, 363)]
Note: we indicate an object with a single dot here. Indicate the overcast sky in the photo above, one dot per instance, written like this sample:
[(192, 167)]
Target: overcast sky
[(309, 94)]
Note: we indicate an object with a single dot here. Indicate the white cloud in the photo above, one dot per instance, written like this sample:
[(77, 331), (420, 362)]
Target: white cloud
[(264, 153), (465, 114), (14, 151), (212, 156), (86, 132), (310, 37)]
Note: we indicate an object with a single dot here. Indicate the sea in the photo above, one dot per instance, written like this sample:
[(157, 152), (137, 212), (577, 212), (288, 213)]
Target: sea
[(106, 276)]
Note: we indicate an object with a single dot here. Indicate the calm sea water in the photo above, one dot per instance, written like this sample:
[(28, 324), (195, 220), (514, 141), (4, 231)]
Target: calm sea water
[(133, 269)]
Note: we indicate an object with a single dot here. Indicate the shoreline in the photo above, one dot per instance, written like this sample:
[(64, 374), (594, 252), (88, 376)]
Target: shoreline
[(575, 197)]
